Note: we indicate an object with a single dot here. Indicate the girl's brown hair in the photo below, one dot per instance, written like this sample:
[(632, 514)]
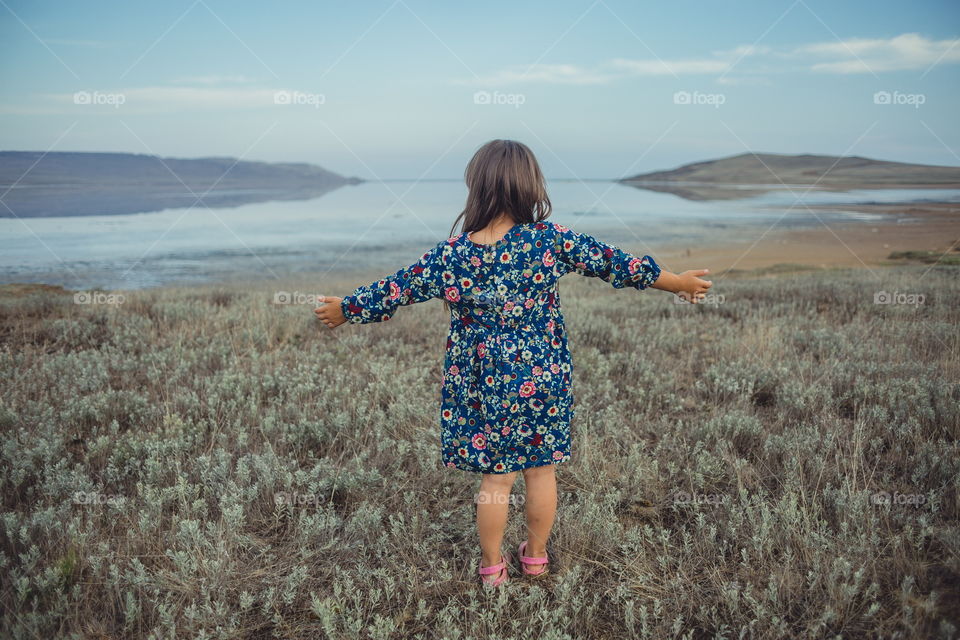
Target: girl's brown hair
[(503, 177)]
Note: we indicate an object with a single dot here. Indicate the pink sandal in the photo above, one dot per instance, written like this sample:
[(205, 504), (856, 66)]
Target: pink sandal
[(500, 568), (527, 560)]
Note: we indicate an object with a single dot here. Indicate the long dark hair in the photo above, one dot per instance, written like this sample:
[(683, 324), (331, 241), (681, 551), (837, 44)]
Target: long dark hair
[(503, 177)]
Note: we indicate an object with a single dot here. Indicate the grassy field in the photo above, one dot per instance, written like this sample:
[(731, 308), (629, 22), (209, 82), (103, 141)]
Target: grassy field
[(206, 463)]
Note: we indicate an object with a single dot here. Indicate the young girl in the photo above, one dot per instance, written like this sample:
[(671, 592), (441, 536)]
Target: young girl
[(506, 398)]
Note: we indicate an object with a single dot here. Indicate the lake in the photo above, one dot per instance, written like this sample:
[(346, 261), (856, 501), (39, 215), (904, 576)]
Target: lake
[(381, 225)]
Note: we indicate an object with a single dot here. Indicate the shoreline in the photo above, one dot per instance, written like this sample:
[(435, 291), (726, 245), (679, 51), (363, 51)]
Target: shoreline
[(922, 230)]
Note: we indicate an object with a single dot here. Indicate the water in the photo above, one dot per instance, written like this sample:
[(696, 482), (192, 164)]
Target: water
[(373, 225)]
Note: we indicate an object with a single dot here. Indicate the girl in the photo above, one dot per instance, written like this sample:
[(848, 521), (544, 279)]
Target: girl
[(506, 399)]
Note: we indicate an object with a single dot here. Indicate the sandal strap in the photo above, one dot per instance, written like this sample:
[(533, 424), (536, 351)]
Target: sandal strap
[(531, 560), (494, 568)]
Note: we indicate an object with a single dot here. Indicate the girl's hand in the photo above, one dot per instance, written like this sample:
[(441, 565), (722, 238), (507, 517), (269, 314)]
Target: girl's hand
[(688, 285), (330, 312), (691, 287)]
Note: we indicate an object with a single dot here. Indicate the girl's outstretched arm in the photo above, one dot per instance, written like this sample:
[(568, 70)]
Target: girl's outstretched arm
[(377, 301), (586, 255)]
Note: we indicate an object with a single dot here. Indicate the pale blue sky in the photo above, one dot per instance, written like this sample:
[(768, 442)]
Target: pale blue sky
[(387, 89)]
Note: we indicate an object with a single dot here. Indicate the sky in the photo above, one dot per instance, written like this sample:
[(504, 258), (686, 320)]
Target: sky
[(409, 89)]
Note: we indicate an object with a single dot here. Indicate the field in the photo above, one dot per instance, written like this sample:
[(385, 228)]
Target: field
[(205, 463)]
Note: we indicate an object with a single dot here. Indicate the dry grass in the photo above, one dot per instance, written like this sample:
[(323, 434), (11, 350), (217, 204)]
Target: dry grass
[(728, 462)]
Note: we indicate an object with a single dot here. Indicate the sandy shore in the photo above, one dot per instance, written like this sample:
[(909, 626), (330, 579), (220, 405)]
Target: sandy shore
[(932, 227)]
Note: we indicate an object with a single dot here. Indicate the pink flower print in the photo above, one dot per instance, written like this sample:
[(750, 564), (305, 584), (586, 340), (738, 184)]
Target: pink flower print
[(452, 294), (394, 291), (479, 441), (527, 389), (548, 259)]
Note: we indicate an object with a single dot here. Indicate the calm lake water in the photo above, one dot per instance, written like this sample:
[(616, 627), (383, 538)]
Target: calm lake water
[(372, 225)]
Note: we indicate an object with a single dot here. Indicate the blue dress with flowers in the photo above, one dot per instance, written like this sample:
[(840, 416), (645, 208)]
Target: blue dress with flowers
[(506, 397)]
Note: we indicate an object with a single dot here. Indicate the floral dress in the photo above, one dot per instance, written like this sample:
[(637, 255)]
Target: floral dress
[(506, 397)]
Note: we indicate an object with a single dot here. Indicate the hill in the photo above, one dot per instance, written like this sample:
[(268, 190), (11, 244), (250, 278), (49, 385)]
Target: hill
[(81, 183), (724, 177)]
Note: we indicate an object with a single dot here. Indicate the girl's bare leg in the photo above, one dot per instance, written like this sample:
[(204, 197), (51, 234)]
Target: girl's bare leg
[(492, 503), (541, 506)]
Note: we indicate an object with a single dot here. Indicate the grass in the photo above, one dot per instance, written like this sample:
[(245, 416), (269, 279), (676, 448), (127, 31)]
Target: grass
[(201, 462), (927, 257)]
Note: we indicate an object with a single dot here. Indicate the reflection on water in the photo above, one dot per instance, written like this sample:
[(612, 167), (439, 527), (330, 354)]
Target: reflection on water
[(375, 225)]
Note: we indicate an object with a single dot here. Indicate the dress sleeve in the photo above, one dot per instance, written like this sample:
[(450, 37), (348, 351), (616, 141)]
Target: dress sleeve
[(377, 301), (588, 256)]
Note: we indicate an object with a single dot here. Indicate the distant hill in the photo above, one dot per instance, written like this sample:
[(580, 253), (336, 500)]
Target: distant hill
[(766, 171), (80, 183)]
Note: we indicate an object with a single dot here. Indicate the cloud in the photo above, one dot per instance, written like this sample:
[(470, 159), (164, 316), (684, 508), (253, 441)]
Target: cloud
[(906, 52), (235, 79), (909, 51), (669, 67), (546, 73)]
